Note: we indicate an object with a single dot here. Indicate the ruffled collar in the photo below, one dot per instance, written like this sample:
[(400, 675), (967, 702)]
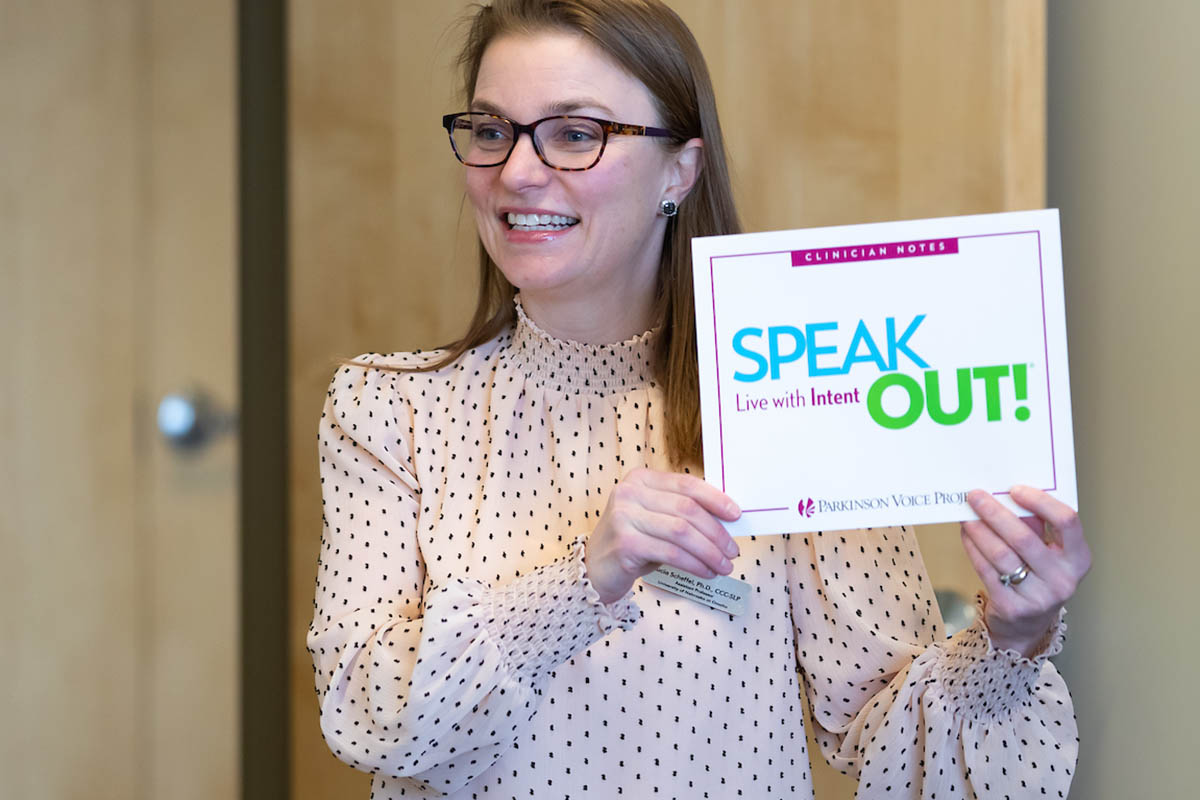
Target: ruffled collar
[(576, 367)]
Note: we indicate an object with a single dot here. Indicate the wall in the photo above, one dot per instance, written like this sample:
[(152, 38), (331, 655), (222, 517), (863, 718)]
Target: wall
[(1124, 127)]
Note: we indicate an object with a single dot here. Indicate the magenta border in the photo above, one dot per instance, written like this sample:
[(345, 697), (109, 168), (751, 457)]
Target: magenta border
[(1045, 351)]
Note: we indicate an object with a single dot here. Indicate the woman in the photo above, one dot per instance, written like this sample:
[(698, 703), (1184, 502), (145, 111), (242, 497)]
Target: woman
[(479, 627)]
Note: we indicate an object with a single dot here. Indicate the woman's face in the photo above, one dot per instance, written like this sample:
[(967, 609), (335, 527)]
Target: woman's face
[(612, 250)]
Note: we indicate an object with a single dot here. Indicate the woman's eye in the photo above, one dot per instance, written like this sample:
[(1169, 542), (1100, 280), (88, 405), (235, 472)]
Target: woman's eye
[(490, 133), (576, 137)]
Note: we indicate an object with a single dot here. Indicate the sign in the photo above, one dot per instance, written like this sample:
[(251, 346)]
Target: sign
[(872, 375)]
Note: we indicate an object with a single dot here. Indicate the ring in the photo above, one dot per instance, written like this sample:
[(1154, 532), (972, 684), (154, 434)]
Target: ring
[(1014, 577)]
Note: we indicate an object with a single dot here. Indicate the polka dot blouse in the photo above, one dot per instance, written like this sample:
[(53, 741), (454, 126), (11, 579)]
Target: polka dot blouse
[(460, 650)]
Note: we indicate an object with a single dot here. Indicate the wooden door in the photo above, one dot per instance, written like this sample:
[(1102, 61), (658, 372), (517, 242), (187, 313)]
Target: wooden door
[(118, 573), (876, 111)]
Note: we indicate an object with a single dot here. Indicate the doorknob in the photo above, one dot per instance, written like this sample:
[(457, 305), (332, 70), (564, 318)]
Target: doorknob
[(192, 420)]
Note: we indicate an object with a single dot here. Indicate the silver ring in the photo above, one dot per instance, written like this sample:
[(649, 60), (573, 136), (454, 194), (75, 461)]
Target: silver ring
[(1016, 576)]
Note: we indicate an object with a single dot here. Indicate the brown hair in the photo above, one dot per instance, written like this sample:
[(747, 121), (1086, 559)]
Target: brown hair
[(652, 43)]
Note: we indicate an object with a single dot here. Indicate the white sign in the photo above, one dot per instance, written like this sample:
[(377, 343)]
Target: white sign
[(872, 375)]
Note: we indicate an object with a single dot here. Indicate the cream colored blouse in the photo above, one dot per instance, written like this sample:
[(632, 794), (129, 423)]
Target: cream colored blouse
[(459, 648)]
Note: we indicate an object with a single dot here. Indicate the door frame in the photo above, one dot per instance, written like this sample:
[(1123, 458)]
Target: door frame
[(263, 380)]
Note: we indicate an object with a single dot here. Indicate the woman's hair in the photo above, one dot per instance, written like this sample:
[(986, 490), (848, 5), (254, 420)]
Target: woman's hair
[(652, 43)]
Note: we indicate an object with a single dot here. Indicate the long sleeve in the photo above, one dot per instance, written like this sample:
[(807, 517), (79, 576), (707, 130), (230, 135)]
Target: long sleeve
[(426, 683), (907, 712)]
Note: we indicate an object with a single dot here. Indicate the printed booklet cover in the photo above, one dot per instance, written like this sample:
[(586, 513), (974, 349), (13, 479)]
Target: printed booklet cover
[(871, 375)]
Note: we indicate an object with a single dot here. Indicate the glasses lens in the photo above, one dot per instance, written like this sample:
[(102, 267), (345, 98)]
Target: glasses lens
[(570, 142), (481, 140)]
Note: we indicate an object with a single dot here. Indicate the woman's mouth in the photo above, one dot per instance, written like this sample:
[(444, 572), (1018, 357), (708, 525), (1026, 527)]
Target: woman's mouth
[(540, 222)]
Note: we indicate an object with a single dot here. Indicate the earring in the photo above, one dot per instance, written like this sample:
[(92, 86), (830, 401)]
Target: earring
[(668, 208)]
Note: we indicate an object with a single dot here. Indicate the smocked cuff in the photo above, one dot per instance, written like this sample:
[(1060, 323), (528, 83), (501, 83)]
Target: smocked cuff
[(546, 617), (623, 613), (983, 683)]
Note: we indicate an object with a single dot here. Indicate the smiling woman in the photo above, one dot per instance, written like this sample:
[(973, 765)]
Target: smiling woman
[(480, 628), (592, 281)]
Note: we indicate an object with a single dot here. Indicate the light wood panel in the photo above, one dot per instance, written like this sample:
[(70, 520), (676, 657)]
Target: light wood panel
[(835, 112), (187, 338), (118, 577), (71, 598)]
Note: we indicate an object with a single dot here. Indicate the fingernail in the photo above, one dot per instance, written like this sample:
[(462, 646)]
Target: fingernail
[(732, 510), (975, 497), (726, 566), (731, 549)]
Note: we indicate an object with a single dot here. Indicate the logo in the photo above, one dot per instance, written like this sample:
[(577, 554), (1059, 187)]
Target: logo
[(806, 507)]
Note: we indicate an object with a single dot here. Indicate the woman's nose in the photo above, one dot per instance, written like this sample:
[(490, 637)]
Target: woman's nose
[(524, 169)]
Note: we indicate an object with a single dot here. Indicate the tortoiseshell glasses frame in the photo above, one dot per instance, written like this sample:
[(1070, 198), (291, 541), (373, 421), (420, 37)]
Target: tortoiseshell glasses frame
[(576, 143)]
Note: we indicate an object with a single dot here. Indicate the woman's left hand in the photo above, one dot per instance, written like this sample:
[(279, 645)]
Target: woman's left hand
[(1051, 547)]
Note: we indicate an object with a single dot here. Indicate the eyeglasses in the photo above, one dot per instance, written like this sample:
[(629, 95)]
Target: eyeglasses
[(571, 144)]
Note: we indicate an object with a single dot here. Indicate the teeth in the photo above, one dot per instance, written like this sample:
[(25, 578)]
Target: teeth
[(541, 221)]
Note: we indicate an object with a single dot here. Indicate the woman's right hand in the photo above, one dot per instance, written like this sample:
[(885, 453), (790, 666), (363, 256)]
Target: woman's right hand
[(655, 518)]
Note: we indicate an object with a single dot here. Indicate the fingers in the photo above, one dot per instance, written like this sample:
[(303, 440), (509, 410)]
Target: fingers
[(1062, 521), (1003, 538), (1057, 562), (683, 507), (669, 518), (997, 556), (681, 498), (988, 572), (1056, 540), (683, 535), (661, 551), (708, 496)]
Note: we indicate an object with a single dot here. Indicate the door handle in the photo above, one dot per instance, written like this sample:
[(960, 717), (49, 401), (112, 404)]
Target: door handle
[(191, 420)]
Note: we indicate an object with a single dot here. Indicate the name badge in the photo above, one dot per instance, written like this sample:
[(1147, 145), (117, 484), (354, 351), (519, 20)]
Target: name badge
[(722, 592)]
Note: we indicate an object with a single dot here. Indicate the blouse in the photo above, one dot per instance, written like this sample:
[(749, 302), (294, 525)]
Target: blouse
[(460, 650)]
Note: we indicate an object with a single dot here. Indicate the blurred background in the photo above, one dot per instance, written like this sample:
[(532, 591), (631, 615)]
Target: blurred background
[(204, 204)]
